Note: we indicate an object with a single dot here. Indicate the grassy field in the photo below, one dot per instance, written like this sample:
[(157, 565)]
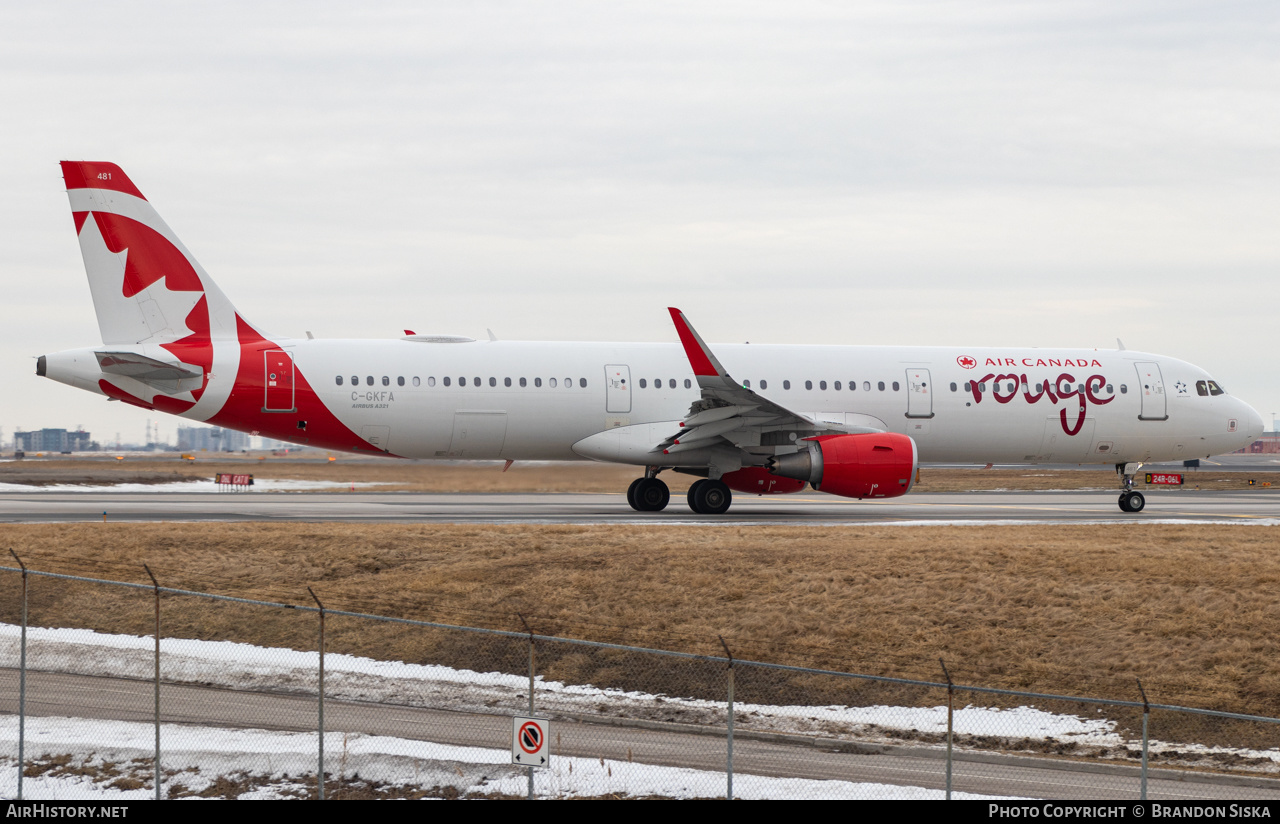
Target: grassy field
[(1191, 610), (426, 476)]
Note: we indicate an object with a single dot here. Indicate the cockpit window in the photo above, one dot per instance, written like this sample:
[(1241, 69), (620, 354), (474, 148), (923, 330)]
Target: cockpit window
[(1214, 389), (1202, 388)]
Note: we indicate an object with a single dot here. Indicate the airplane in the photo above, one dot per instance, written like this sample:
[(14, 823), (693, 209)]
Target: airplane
[(852, 421)]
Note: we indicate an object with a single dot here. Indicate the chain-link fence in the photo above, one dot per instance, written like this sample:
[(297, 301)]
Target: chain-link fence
[(168, 693)]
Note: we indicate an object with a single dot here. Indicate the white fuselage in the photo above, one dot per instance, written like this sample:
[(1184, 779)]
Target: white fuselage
[(918, 391)]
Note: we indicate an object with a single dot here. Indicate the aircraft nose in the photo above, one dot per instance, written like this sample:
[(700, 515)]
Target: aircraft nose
[(1250, 421), (1255, 420)]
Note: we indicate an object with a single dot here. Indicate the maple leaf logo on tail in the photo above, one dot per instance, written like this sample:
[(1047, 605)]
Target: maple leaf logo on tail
[(149, 292)]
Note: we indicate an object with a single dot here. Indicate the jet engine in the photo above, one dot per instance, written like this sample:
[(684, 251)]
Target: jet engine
[(871, 465)]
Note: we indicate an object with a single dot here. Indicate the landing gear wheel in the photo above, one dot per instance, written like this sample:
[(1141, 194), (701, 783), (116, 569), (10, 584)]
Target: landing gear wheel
[(1134, 503), (692, 497), (631, 493), (650, 495), (1131, 500), (710, 497)]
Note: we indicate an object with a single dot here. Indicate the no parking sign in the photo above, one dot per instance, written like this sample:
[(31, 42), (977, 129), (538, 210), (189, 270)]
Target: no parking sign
[(529, 742)]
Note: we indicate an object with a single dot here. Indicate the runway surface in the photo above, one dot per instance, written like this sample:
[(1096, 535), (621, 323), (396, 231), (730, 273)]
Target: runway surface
[(1177, 506)]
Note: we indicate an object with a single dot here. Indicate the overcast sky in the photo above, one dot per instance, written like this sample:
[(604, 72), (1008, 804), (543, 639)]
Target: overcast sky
[(976, 174)]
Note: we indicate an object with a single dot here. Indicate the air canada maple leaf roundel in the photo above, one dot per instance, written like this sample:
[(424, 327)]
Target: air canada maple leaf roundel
[(966, 362)]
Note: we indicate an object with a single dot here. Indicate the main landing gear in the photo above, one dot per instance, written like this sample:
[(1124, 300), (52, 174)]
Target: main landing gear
[(648, 494), (1131, 500), (706, 496)]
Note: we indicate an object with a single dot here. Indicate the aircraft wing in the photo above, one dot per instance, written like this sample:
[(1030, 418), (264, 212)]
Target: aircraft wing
[(729, 411)]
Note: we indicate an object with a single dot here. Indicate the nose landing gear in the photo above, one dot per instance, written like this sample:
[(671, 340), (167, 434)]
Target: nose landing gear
[(1131, 500)]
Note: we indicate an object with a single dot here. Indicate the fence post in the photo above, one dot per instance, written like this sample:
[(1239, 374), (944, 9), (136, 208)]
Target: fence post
[(22, 675), (320, 721), (951, 712), (532, 670), (729, 757), (156, 586), (1146, 713)]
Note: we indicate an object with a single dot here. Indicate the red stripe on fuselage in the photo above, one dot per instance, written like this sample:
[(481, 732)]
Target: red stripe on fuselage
[(243, 409)]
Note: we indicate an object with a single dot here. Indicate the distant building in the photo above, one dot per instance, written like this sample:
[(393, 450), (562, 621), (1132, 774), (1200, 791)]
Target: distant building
[(53, 440), (1268, 444), (211, 439)]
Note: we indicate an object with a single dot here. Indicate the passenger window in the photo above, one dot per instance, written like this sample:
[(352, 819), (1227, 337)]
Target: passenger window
[(968, 387), (400, 381), (551, 382), (786, 384), (340, 382), (880, 385), (672, 383), (493, 381), (582, 383), (1110, 389), (537, 381), (764, 384), (477, 380), (953, 386), (446, 381), (982, 387), (369, 380), (746, 384), (506, 381), (355, 380), (866, 386), (642, 383), (657, 383), (523, 382), (837, 386), (808, 384), (462, 381), (386, 381), (895, 386), (688, 384), (1124, 389), (822, 384)]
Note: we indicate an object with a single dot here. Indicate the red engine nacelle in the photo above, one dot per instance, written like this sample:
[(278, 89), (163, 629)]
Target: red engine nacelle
[(756, 480), (872, 465)]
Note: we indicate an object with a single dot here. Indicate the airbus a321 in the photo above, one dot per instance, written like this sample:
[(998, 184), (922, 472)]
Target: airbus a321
[(853, 421)]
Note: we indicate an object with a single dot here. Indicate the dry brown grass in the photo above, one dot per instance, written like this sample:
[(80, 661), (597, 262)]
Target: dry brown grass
[(1081, 610), (428, 476)]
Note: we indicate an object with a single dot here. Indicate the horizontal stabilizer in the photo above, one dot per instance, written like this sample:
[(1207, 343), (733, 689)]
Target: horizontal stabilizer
[(167, 377)]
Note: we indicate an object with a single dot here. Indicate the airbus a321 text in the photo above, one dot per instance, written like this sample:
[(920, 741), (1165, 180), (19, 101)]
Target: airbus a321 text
[(853, 421)]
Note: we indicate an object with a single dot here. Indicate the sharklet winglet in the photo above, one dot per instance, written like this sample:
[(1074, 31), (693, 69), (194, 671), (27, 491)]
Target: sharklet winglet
[(704, 363)]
